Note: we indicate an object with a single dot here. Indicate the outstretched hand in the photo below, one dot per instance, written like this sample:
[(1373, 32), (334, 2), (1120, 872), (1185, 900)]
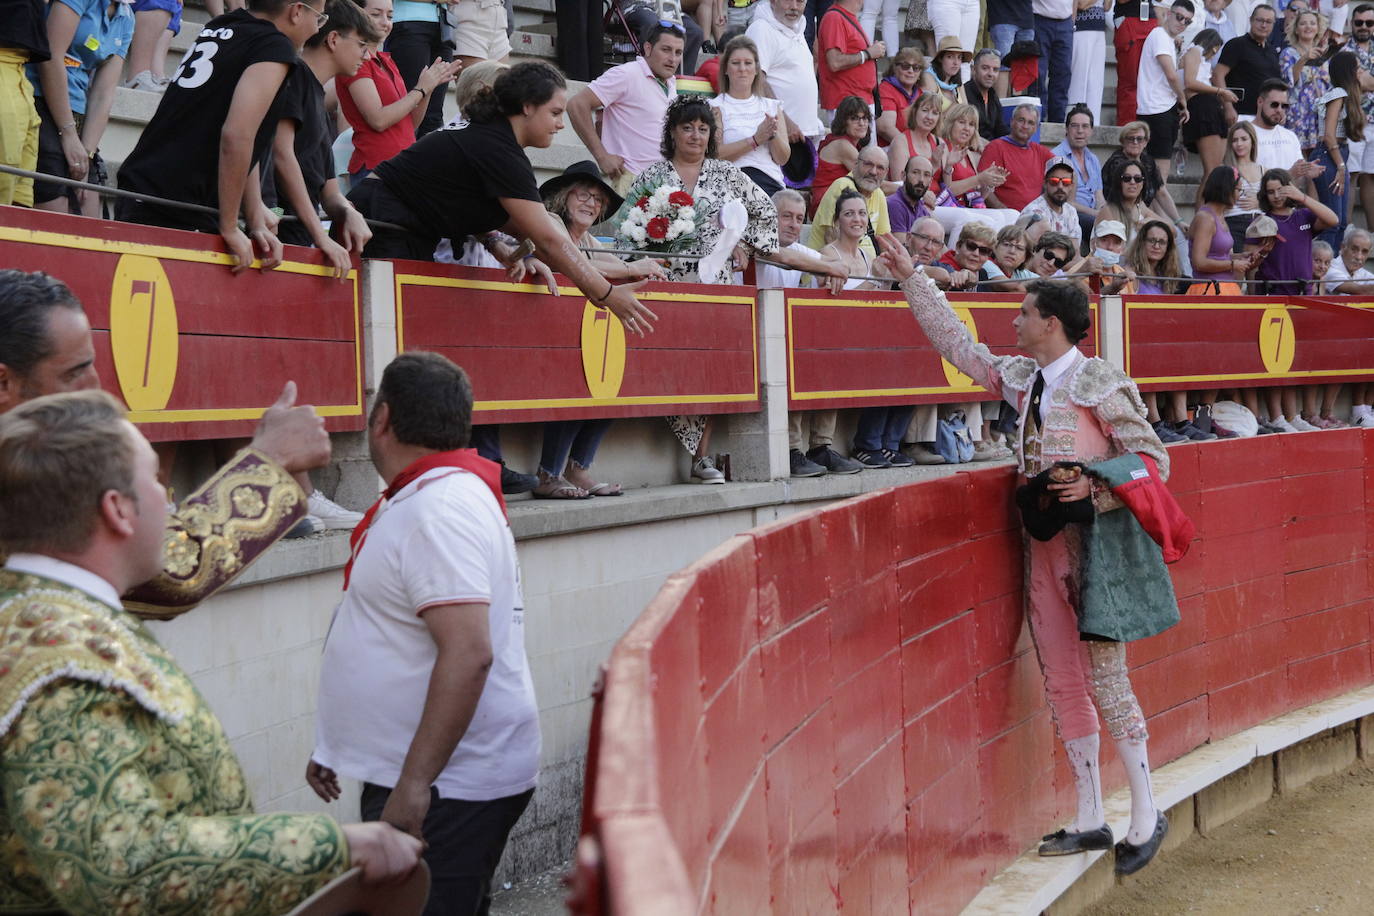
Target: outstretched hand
[(895, 260)]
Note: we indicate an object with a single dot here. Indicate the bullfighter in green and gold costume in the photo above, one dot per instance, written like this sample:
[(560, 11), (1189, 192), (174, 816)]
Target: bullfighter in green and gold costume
[(119, 791)]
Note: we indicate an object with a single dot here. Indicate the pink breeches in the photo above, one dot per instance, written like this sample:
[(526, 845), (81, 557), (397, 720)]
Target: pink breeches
[(1077, 673)]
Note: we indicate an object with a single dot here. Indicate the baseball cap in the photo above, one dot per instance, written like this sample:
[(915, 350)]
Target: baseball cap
[(1109, 227), (1057, 162), (1262, 227)]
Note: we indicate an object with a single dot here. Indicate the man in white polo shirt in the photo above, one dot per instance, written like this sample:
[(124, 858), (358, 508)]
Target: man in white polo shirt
[(779, 30), (633, 99), (425, 692), (1277, 146)]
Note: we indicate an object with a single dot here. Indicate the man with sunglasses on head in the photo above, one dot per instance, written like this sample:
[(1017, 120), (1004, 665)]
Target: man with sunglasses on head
[(1361, 156), (1277, 147), (1247, 62), (206, 141), (1053, 210)]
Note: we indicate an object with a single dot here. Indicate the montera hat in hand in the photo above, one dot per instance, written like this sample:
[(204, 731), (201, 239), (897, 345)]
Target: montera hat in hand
[(586, 170), (348, 894)]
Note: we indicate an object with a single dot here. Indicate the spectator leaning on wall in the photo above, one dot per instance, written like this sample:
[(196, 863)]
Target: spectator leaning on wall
[(1347, 275), (205, 141), (632, 98)]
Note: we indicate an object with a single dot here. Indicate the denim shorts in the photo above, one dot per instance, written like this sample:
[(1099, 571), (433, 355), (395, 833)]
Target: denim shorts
[(1003, 36)]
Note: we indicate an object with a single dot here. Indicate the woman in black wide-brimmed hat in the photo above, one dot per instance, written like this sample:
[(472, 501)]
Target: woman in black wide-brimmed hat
[(581, 198)]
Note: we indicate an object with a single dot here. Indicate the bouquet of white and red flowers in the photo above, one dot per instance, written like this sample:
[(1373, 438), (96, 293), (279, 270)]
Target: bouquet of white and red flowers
[(662, 219)]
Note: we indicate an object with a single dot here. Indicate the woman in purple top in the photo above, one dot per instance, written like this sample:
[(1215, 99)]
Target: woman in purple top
[(1211, 243), (1288, 268)]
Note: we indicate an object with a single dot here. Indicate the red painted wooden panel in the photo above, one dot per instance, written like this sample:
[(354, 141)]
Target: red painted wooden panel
[(524, 348), (860, 349), (945, 739), (235, 340), (1231, 341)]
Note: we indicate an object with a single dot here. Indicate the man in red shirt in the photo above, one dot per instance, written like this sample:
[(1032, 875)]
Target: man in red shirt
[(846, 66), (1023, 158)]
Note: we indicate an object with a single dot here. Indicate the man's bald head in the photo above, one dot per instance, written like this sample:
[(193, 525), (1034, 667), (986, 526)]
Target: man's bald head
[(870, 169)]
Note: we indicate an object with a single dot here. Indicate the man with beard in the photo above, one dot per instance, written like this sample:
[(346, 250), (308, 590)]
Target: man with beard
[(906, 205), (1277, 147), (980, 92), (1053, 206), (1361, 157), (867, 179)]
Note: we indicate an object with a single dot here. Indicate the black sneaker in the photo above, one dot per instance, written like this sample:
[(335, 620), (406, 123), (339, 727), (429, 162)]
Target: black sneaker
[(897, 459), (1166, 433), (833, 461), (513, 482), (1187, 429), (803, 466), (871, 460)]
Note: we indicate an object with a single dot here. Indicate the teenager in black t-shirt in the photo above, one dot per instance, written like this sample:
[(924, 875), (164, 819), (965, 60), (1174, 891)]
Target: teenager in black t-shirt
[(302, 153), (212, 128), (456, 183)]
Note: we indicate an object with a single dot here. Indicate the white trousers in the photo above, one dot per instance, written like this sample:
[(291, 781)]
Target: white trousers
[(1089, 67), (959, 18), (892, 25)]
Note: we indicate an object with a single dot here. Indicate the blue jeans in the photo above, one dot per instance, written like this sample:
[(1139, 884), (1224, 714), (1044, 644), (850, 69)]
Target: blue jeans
[(882, 428), (1337, 202), (575, 439), (1004, 35), (487, 440), (1056, 65)]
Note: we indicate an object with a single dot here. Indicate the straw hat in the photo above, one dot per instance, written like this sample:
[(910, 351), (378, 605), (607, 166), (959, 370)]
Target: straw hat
[(951, 43)]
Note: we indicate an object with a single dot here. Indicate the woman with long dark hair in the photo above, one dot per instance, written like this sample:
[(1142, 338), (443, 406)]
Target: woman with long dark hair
[(1123, 189), (456, 183), (1342, 121), (1153, 254)]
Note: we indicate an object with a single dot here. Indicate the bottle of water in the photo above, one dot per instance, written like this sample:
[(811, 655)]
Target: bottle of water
[(1180, 160)]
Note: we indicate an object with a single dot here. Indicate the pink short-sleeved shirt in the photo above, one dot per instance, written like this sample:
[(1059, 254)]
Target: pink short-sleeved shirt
[(632, 121)]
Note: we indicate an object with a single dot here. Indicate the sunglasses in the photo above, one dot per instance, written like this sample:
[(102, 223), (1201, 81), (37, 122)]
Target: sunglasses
[(906, 65), (1134, 138), (1281, 105), (1133, 179), (1056, 260), (980, 249), (1186, 20), (1364, 23), (1059, 182)]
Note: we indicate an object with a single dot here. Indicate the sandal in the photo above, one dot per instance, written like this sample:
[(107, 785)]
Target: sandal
[(551, 487), (597, 489)]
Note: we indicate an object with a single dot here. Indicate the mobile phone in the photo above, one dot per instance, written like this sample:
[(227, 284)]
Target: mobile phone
[(1240, 92)]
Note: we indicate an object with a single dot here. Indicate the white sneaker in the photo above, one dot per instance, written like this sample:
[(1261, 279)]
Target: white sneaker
[(147, 82), (331, 515), (1283, 425), (1363, 416), (704, 470), (1303, 426)]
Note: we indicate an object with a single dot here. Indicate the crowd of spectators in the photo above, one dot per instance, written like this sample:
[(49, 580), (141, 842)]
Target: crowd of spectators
[(1273, 105)]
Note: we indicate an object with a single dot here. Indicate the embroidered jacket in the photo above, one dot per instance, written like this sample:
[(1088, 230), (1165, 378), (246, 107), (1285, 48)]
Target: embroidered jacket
[(119, 792), (1093, 384), (218, 532)]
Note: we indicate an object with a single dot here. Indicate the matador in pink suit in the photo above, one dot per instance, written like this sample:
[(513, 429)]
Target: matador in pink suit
[(1073, 409)]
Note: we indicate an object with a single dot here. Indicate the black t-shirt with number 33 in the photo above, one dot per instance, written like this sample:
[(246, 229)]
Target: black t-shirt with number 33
[(177, 155)]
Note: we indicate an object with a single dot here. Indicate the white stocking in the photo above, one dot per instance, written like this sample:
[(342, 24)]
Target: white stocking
[(1135, 758), (1087, 779)]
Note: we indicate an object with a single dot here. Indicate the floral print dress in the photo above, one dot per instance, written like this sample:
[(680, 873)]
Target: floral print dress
[(719, 182), (1309, 84)]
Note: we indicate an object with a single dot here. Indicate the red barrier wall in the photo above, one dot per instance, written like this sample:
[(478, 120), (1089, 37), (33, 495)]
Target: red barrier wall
[(843, 710)]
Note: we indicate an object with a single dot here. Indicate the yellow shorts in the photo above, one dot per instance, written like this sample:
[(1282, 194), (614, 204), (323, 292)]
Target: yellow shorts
[(18, 128)]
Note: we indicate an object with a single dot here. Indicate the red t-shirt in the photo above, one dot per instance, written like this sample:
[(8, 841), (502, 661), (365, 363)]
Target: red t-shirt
[(840, 29), (1027, 168), (710, 71), (894, 100), (370, 147)]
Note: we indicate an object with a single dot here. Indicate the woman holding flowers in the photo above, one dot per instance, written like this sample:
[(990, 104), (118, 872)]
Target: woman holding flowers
[(680, 199)]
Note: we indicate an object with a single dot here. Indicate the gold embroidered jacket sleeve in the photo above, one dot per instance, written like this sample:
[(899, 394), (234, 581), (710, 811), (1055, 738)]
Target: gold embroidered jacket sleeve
[(218, 532)]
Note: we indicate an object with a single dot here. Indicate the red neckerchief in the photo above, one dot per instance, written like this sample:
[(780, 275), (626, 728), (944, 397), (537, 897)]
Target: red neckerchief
[(465, 459)]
